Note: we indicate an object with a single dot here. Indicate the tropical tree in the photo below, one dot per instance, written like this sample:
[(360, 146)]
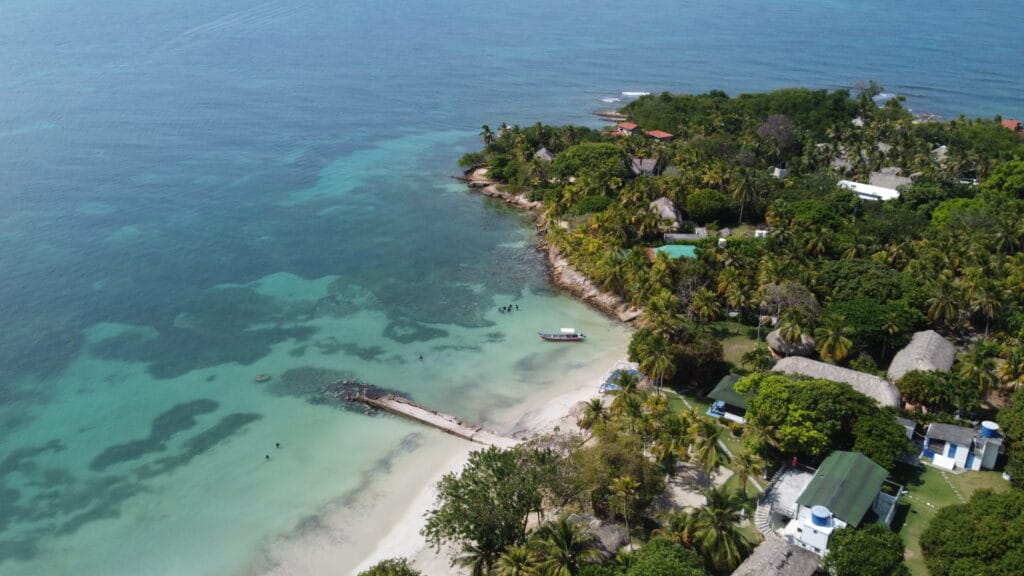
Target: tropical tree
[(486, 136), (391, 567), (565, 545), (677, 526), (657, 359), (705, 306), (873, 550), (624, 489), (705, 450), (760, 358), (594, 413), (977, 368), (517, 561), (832, 337), (745, 464), (716, 530)]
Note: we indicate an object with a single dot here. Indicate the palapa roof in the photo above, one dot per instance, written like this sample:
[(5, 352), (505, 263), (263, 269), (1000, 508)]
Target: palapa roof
[(726, 392), (780, 346), (872, 386), (776, 557), (888, 178), (927, 352), (544, 154), (666, 209), (846, 483), (643, 166), (951, 433)]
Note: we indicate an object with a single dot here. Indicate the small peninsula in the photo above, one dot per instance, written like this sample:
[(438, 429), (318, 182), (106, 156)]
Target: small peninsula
[(828, 294)]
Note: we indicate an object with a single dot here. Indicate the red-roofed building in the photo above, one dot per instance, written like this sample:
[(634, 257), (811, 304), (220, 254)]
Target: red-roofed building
[(626, 127), (659, 135), (1015, 125)]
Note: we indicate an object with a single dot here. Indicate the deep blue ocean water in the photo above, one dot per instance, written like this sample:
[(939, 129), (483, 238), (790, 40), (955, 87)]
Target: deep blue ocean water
[(194, 191)]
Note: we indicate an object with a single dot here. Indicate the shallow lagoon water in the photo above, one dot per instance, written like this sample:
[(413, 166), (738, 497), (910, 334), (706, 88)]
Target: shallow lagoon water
[(195, 194)]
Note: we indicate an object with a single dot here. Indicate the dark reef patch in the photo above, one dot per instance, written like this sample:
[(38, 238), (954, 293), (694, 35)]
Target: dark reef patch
[(407, 331), (367, 353), (170, 422), (199, 444)]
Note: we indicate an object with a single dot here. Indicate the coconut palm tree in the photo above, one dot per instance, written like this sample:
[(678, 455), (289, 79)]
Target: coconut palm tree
[(833, 338), (1011, 371), (986, 302), (517, 561), (624, 489), (745, 464), (791, 328), (594, 413), (943, 305), (977, 368), (565, 546), (677, 526), (705, 305), (630, 407), (657, 359), (716, 530), (486, 136), (705, 449)]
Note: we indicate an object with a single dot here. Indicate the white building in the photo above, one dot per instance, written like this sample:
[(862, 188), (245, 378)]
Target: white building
[(951, 447), (869, 192)]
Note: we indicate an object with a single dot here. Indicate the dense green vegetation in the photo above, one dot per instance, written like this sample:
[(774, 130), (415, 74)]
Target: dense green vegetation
[(983, 537), (871, 551), (854, 278)]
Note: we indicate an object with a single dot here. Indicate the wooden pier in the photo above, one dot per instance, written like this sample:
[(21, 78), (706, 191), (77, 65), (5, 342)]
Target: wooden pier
[(444, 422)]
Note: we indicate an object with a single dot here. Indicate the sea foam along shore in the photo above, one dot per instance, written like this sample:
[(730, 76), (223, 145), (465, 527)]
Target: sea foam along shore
[(540, 415)]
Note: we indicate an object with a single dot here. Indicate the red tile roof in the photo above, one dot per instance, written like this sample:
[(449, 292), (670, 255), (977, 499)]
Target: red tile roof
[(1014, 125), (627, 125), (659, 134)]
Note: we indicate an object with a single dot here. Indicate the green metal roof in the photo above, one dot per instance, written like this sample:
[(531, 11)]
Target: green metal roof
[(726, 392), (676, 251), (847, 484)]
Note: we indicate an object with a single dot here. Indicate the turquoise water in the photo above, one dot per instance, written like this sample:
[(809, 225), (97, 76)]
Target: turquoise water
[(193, 194)]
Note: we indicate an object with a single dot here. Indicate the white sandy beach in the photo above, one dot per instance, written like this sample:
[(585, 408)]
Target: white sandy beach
[(541, 414)]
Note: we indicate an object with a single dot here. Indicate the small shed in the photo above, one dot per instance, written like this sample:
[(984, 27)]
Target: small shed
[(775, 557), (729, 403), (872, 386), (927, 352)]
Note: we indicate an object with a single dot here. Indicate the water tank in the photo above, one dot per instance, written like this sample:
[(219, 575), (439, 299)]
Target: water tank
[(820, 516), (989, 429)]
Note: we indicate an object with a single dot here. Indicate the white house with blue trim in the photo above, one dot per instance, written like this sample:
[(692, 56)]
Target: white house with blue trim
[(951, 447)]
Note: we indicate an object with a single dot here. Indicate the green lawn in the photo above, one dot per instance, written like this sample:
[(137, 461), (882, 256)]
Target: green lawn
[(930, 490), (734, 345)]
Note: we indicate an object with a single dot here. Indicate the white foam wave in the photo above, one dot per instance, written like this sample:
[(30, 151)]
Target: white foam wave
[(610, 100), (636, 94)]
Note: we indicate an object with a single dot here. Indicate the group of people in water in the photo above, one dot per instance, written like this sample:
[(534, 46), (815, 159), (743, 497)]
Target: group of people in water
[(509, 309), (277, 445)]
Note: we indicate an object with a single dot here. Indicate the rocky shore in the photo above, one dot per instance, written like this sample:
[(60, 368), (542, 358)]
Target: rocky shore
[(562, 273)]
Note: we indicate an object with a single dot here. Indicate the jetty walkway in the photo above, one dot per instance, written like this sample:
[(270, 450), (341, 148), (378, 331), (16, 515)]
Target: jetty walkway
[(446, 423)]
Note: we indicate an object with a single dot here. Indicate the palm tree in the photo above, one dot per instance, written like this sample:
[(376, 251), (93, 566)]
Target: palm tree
[(677, 526), (716, 530), (745, 464), (486, 136), (706, 452), (977, 368), (657, 359), (565, 545), (943, 306), (832, 338), (987, 303), (631, 407), (792, 328), (478, 561), (593, 413), (516, 561), (1011, 371), (705, 305), (759, 359), (624, 488), (627, 381)]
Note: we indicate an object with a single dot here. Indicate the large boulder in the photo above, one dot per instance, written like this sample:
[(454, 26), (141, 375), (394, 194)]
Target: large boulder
[(782, 348)]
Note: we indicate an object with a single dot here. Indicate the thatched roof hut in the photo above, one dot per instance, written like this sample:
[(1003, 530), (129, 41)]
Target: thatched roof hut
[(781, 347), (872, 386), (544, 155), (666, 210), (776, 557), (927, 352)]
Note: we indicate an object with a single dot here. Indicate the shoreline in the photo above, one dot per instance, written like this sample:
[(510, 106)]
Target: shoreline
[(560, 271)]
